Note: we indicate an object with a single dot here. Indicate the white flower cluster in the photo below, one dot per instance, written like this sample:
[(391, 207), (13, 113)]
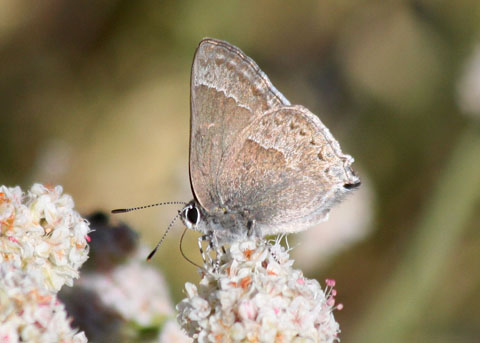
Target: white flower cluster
[(43, 243), (31, 313), (149, 306), (256, 296), (146, 306), (41, 233)]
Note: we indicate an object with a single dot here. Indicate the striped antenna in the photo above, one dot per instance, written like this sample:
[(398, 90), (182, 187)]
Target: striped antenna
[(163, 237), (125, 210)]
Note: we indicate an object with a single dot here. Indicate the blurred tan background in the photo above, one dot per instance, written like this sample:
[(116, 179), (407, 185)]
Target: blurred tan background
[(94, 95)]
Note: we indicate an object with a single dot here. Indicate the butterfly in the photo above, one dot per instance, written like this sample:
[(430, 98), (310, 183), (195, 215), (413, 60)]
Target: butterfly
[(258, 165)]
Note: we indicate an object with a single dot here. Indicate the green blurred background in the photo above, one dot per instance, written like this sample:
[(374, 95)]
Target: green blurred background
[(94, 95)]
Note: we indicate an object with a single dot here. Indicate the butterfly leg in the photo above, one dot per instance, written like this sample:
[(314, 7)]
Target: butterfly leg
[(206, 253), (218, 253), (274, 255), (251, 228), (278, 239), (212, 245)]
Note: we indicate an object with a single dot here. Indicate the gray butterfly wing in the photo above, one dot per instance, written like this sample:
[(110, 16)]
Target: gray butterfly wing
[(285, 171), (228, 93)]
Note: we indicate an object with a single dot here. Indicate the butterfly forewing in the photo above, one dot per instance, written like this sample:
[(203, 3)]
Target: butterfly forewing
[(228, 92)]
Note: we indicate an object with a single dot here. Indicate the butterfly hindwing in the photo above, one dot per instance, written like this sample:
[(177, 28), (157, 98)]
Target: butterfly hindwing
[(285, 169)]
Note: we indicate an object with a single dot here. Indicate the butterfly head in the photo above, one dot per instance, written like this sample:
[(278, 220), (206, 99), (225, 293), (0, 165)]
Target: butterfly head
[(226, 225)]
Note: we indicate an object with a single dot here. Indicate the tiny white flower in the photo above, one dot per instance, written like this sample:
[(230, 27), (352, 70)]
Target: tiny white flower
[(256, 296)]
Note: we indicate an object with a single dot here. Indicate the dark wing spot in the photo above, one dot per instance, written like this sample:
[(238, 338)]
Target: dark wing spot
[(350, 186)]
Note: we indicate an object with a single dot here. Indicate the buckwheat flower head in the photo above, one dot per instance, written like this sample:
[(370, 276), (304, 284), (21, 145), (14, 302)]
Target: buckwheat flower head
[(256, 296), (31, 313), (40, 231), (135, 290)]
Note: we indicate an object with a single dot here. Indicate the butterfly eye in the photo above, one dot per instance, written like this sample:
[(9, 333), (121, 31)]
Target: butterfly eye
[(193, 215)]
